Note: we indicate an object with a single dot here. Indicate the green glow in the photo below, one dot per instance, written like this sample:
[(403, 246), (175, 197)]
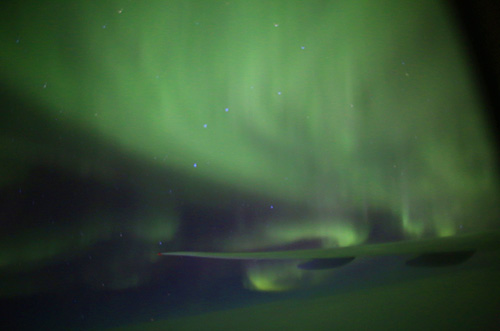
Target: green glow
[(278, 278), (42, 246), (335, 105), (348, 116), (333, 233), (412, 228), (152, 229), (277, 231), (281, 276), (284, 276), (45, 246)]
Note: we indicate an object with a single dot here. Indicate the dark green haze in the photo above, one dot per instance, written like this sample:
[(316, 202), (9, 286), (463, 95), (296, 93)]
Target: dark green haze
[(333, 105)]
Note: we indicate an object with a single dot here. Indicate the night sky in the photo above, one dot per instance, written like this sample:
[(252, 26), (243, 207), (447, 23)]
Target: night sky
[(130, 128)]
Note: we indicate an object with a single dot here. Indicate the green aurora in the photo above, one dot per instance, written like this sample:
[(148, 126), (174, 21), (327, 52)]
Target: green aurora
[(337, 106)]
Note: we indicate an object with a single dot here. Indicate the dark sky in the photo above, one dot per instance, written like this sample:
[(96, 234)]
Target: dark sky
[(131, 128)]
